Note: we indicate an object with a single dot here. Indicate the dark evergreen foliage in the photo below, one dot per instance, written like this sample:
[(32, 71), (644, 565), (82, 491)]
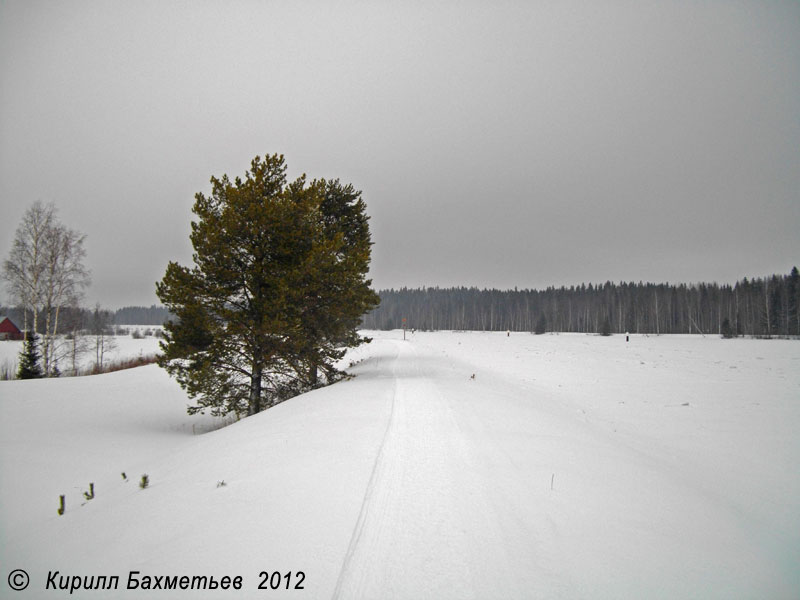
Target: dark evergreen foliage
[(336, 295), (100, 322), (128, 315), (605, 328), (726, 330), (635, 307), (276, 292), (30, 366), (793, 302), (541, 324)]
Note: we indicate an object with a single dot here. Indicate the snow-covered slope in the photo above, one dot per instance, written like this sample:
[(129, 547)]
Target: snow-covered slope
[(569, 466)]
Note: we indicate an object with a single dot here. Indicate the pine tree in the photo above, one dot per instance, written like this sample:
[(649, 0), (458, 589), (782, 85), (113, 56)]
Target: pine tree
[(605, 328), (541, 324), (277, 288), (726, 330), (337, 294), (29, 360)]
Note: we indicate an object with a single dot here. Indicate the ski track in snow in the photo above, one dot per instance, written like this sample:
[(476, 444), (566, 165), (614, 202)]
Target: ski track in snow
[(425, 486)]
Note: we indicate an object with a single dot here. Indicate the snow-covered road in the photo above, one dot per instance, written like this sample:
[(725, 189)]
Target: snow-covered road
[(428, 483)]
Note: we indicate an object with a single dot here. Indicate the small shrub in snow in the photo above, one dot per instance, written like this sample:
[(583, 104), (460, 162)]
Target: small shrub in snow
[(145, 481), (119, 365), (124, 477), (7, 370), (90, 494), (221, 483), (61, 505), (136, 334)]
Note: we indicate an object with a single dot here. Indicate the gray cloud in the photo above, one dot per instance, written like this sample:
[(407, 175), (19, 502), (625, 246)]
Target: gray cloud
[(497, 144)]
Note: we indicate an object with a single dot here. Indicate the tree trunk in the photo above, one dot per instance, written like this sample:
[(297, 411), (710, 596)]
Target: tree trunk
[(74, 353), (46, 343), (254, 404), (766, 304), (312, 374), (655, 295)]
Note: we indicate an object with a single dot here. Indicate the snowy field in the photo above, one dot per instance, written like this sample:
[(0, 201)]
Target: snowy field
[(570, 466), (123, 347)]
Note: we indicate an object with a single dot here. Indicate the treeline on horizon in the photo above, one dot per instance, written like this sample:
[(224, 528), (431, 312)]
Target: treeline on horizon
[(765, 306), (141, 315), (755, 307), (79, 318)]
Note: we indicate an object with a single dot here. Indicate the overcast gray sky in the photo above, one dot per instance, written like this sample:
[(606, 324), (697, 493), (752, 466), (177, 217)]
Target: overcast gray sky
[(497, 144)]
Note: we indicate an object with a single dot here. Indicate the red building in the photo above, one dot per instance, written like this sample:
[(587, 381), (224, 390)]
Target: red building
[(9, 331)]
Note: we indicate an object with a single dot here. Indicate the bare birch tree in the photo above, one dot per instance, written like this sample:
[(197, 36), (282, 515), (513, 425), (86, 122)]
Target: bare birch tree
[(104, 341), (24, 268), (45, 272), (76, 346), (65, 279)]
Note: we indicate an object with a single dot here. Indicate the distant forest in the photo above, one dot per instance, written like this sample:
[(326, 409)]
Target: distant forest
[(140, 315), (757, 307), (79, 318)]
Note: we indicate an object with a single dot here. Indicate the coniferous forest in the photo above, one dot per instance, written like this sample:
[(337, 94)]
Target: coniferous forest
[(756, 307), (765, 306), (141, 315)]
